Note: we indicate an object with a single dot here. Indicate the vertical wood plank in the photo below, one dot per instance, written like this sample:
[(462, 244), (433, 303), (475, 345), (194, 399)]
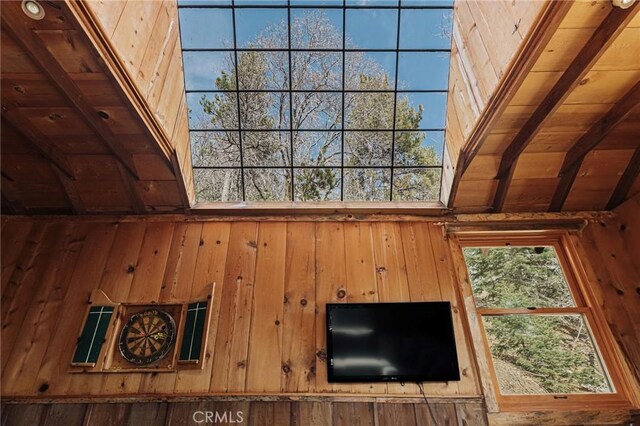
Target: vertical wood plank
[(150, 413), (265, 338), (39, 324), (18, 288), (14, 237), (394, 414), (229, 359), (298, 341), (331, 281), (353, 414), (65, 414), (421, 268), (269, 413), (475, 328), (311, 413), (31, 414), (209, 269), (86, 277), (448, 289), (151, 264), (116, 283), (107, 414), (439, 414), (361, 279), (391, 277), (471, 414), (181, 262)]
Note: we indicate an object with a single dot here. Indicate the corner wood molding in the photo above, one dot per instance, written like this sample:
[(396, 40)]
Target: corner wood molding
[(546, 25), (99, 297), (94, 33)]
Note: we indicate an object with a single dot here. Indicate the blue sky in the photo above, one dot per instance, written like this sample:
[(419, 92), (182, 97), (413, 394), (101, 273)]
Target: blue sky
[(365, 29)]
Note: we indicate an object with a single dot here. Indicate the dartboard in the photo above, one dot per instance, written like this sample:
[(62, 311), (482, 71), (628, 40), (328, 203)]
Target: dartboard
[(147, 337)]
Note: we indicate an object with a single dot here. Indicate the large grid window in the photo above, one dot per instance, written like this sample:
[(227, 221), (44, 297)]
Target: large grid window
[(326, 100)]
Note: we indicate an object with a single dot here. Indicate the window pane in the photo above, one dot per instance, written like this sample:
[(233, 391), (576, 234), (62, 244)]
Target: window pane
[(268, 184), (368, 110), (215, 149), (260, 110), (419, 148), (203, 2), (539, 354), (263, 70), (414, 66), (262, 28), (370, 70), (212, 110), (416, 184), (517, 277), (207, 29), (425, 28), (317, 110), (217, 185), (316, 70), (208, 70), (421, 110), (317, 148), (371, 28), (316, 28), (316, 2), (372, 2), (367, 149), (317, 184), (367, 184), (266, 149)]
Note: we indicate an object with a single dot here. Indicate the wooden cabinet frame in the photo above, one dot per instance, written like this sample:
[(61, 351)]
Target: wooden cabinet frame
[(575, 270)]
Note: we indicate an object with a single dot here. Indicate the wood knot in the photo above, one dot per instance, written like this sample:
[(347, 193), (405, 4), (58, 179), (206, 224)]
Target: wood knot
[(623, 227), (252, 244), (620, 292), (131, 269), (381, 269), (18, 89), (54, 116), (303, 302), (242, 364), (341, 294), (322, 355), (285, 368), (218, 242), (201, 242), (638, 290), (277, 322), (43, 387)]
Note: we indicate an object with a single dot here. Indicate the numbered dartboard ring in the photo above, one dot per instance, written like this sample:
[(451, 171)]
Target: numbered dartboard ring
[(147, 336)]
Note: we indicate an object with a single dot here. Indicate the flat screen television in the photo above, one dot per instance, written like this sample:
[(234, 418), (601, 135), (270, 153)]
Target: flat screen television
[(379, 342)]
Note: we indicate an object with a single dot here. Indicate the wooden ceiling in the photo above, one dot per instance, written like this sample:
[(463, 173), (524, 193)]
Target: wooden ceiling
[(568, 138), (72, 141), (76, 139)]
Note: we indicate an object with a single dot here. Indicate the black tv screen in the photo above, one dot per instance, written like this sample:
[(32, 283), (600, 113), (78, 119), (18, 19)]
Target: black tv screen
[(377, 342)]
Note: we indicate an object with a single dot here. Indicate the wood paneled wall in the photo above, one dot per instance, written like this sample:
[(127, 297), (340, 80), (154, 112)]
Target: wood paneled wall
[(486, 37), (610, 265), (145, 36), (273, 279), (252, 414), (628, 215)]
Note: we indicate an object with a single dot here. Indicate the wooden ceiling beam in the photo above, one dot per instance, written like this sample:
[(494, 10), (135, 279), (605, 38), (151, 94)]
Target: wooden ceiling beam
[(600, 40), (12, 117), (10, 197), (531, 49), (77, 206), (618, 113), (567, 178), (625, 183), (587, 142), (17, 25), (137, 204)]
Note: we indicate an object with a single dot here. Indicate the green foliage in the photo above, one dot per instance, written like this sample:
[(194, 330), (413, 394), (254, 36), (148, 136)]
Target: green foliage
[(555, 351)]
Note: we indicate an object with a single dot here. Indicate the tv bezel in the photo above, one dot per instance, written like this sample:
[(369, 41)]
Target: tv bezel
[(332, 378)]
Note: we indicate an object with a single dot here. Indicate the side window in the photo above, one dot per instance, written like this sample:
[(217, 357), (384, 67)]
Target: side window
[(539, 332)]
